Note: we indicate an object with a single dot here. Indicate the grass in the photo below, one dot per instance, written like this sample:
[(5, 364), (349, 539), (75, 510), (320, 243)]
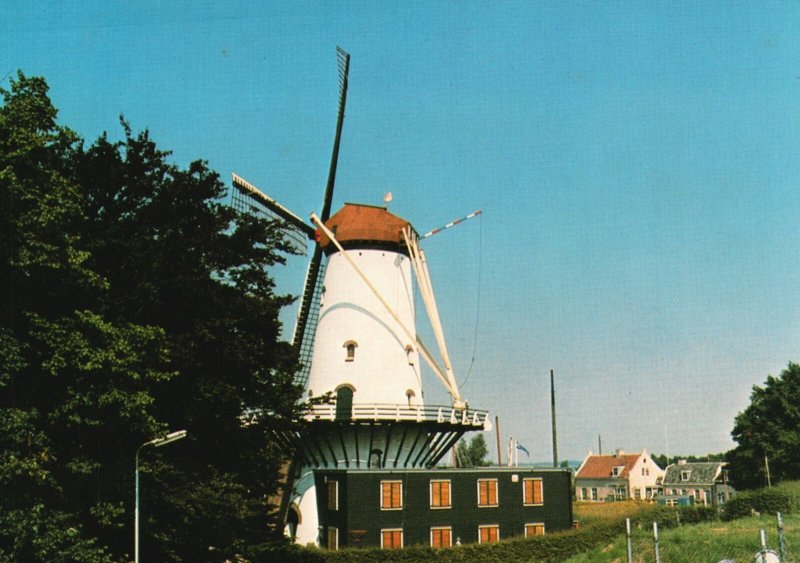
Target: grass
[(708, 542)]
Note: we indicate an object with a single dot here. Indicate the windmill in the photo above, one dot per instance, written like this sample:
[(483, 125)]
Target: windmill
[(356, 338)]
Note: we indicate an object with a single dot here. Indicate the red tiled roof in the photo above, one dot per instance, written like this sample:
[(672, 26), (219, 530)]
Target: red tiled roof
[(601, 466), (364, 223)]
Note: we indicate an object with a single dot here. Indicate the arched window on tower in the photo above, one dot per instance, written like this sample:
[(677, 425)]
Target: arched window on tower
[(410, 396), (410, 354), (350, 350)]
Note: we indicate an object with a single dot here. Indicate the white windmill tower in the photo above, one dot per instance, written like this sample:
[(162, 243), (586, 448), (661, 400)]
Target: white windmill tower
[(356, 335)]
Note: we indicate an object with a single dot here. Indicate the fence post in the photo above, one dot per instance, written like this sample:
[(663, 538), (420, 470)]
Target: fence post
[(628, 536), (781, 539), (655, 538)]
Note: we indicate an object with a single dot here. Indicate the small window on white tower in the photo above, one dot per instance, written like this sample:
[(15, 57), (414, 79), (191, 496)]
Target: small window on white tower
[(410, 354), (410, 396), (350, 350)]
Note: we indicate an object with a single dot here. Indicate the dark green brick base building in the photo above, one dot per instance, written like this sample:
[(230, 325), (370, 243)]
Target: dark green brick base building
[(439, 507)]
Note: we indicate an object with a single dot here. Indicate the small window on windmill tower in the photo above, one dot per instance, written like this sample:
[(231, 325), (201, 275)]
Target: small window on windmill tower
[(410, 354), (410, 395), (350, 350)]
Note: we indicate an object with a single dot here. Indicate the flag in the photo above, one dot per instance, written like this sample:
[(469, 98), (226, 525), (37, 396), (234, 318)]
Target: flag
[(524, 449)]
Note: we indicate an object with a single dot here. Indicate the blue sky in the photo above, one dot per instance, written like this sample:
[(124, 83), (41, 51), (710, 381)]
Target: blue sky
[(637, 165)]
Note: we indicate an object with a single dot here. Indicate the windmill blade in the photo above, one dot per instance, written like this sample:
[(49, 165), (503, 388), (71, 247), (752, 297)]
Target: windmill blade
[(451, 224), (249, 189), (249, 199), (344, 71), (305, 327)]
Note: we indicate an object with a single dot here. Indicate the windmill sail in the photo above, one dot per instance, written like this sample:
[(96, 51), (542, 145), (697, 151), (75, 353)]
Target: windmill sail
[(307, 316), (246, 198)]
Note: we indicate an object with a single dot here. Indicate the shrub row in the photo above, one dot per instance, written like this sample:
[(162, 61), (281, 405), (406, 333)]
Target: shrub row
[(552, 547), (770, 501)]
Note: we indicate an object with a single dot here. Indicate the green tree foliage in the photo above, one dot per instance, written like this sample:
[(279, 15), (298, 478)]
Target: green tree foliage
[(769, 427), (472, 453), (133, 302)]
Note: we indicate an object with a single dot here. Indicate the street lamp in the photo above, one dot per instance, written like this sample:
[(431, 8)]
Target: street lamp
[(157, 442)]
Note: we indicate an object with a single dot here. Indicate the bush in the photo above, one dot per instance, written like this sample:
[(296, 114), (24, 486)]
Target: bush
[(558, 546), (769, 501)]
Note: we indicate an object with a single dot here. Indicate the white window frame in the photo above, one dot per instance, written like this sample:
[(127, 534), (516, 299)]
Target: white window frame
[(335, 484), (335, 531), (449, 494), (496, 493), (482, 526), (349, 346), (525, 528), (448, 529), (402, 538), (541, 488), (385, 481)]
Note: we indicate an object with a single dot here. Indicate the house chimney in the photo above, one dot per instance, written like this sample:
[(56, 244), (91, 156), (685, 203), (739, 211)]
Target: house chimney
[(681, 462), (618, 452)]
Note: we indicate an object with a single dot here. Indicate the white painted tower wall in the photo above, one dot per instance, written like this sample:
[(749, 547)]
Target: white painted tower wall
[(385, 366)]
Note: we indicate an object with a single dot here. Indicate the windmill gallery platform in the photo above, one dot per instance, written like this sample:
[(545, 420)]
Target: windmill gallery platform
[(362, 468)]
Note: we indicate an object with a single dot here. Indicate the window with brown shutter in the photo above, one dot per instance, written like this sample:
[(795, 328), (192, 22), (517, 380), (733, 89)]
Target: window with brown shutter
[(392, 539), (488, 534), (440, 494), (487, 492), (532, 493), (441, 536), (391, 495), (536, 529)]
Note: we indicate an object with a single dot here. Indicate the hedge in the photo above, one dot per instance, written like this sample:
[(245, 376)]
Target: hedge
[(558, 546)]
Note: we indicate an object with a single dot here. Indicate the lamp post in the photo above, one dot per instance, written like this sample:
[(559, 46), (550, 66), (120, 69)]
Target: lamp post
[(157, 442)]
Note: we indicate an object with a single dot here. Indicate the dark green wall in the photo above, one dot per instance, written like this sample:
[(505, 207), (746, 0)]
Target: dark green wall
[(359, 503)]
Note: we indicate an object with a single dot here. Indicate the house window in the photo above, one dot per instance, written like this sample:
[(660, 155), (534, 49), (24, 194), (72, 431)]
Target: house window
[(442, 536), (686, 475), (594, 493), (333, 494), (350, 350), (584, 493), (622, 493), (440, 494), (487, 492), (637, 493), (536, 529), (392, 538), (488, 534), (333, 538), (616, 471), (532, 492), (391, 495)]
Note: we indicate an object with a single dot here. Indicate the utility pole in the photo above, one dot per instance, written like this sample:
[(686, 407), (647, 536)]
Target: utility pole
[(766, 467), (599, 445), (499, 451), (553, 412)]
